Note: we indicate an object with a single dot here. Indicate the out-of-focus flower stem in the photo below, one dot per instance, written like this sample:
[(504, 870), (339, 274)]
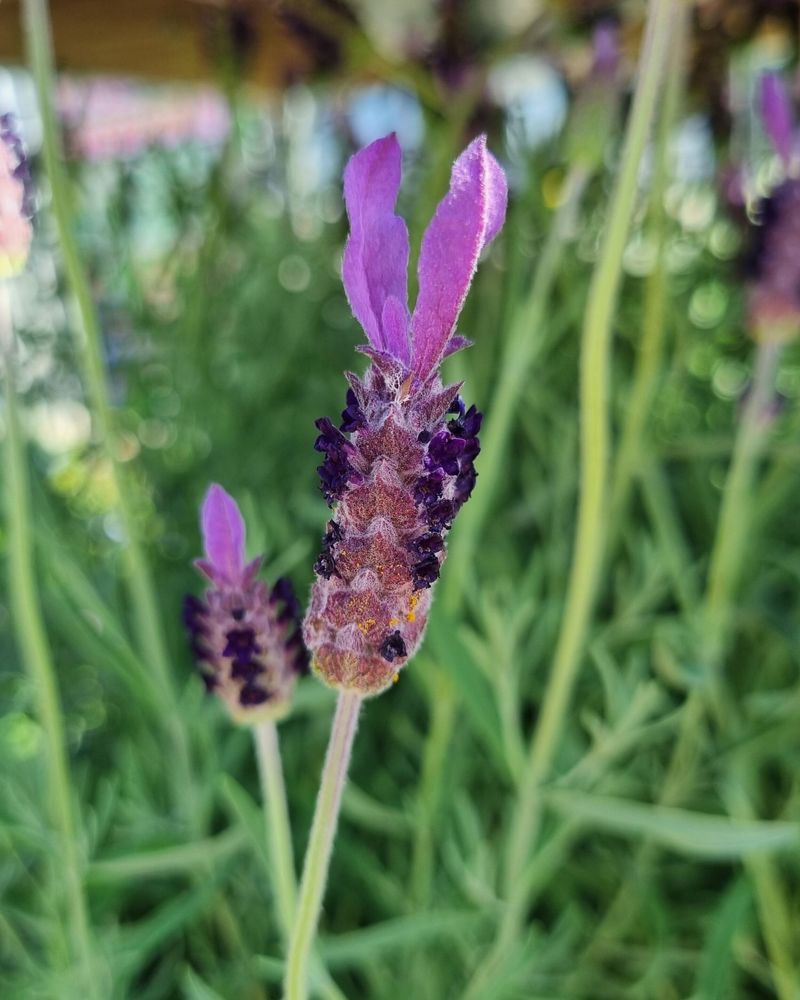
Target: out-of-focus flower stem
[(651, 348), (320, 844), (89, 342), (725, 572), (524, 342), (35, 650), (594, 459)]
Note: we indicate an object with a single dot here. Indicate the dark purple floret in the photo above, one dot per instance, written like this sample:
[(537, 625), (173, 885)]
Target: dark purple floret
[(246, 671), (393, 646), (431, 541), (193, 611), (457, 406), (441, 514), (334, 473), (443, 452), (283, 591), (252, 694), (465, 484), (330, 438), (429, 488), (241, 644), (325, 565), (352, 415), (467, 425), (425, 572)]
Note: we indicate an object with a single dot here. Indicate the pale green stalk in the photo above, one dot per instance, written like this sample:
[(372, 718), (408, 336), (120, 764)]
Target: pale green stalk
[(276, 816), (144, 605), (279, 841), (594, 458), (650, 349), (35, 649), (320, 844)]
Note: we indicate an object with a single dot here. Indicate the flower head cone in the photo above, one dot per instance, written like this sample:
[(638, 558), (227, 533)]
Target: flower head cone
[(245, 637), (773, 291), (16, 232), (400, 464)]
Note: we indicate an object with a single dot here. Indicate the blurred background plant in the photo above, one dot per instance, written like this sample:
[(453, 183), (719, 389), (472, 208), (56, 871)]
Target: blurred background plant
[(207, 220)]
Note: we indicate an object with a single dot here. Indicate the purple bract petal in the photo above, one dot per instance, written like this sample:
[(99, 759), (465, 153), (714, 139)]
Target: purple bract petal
[(375, 263), (468, 218), (223, 537), (776, 113)]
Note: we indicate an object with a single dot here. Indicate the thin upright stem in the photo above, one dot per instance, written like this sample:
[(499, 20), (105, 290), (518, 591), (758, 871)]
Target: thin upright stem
[(320, 844), (144, 605), (35, 649), (522, 346), (594, 458), (724, 575), (276, 814), (651, 347)]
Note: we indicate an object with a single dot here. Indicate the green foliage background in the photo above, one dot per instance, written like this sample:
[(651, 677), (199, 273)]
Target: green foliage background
[(221, 350)]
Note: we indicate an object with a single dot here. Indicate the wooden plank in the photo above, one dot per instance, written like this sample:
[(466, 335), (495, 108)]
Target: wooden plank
[(161, 39)]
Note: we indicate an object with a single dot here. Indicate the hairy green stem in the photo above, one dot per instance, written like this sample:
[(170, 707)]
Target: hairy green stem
[(144, 605), (276, 815), (35, 649), (594, 457), (320, 844)]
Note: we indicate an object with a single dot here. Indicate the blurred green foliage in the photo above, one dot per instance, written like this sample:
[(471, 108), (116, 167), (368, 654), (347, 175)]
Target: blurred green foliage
[(224, 343)]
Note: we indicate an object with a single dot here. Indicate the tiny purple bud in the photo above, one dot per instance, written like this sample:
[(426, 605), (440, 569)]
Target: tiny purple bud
[(245, 638), (400, 466), (776, 114)]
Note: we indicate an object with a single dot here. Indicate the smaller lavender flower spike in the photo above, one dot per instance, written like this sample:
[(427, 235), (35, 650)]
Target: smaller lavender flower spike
[(245, 638), (776, 114), (467, 219), (375, 263)]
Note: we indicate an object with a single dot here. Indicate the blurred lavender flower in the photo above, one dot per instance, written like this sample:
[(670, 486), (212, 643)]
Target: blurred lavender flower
[(245, 637), (773, 292), (16, 208), (597, 105), (400, 464)]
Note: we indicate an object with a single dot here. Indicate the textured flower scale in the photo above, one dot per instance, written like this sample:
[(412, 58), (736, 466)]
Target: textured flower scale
[(400, 464), (244, 636)]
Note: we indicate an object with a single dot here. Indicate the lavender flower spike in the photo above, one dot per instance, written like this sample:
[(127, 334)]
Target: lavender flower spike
[(400, 464), (245, 638), (776, 114)]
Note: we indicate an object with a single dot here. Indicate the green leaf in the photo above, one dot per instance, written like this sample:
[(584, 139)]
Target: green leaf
[(716, 838), (416, 930), (715, 979), (167, 861)]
